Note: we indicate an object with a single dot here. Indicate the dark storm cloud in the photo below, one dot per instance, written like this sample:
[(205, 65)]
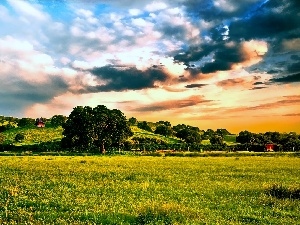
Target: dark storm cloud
[(209, 11), (195, 85), (172, 31), (295, 57), (287, 79), (273, 71), (36, 92), (224, 58), (194, 54), (16, 94), (276, 19), (126, 78), (294, 68)]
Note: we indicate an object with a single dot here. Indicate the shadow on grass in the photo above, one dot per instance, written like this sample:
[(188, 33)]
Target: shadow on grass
[(279, 191)]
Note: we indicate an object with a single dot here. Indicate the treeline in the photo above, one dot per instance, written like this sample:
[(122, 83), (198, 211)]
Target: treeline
[(8, 122), (281, 141), (100, 129)]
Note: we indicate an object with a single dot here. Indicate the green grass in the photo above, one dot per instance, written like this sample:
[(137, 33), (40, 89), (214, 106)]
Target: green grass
[(34, 135), (230, 139), (146, 190), (146, 134)]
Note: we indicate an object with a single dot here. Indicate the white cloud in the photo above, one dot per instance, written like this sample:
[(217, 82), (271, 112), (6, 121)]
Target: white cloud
[(135, 12), (28, 10), (156, 6)]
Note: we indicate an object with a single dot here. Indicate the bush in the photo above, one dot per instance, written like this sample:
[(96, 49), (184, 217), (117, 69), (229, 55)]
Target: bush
[(19, 137), (280, 191)]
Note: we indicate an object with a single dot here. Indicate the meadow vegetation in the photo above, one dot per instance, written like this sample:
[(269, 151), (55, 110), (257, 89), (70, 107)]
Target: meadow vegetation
[(149, 190)]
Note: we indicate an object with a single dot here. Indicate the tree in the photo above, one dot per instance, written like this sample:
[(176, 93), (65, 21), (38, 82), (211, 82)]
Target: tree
[(164, 130), (19, 137), (166, 123), (144, 125), (132, 121), (245, 137), (222, 132), (78, 129), (216, 140), (99, 127), (189, 135), (58, 120), (26, 122)]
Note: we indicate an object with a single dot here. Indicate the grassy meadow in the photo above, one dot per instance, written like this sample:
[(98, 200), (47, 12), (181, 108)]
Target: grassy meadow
[(146, 190)]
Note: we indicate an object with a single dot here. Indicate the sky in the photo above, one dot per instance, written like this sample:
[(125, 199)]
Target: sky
[(208, 63)]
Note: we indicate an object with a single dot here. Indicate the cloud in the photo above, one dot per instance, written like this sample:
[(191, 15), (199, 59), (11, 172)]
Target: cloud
[(286, 102), (126, 78), (287, 79), (233, 82), (155, 6), (292, 114), (294, 67), (28, 10), (173, 104), (295, 57), (276, 18), (195, 85)]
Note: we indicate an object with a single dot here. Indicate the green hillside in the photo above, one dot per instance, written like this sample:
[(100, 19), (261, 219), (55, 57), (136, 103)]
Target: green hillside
[(33, 135), (137, 132), (38, 135)]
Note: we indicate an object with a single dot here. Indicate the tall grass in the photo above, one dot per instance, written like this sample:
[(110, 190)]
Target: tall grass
[(146, 190)]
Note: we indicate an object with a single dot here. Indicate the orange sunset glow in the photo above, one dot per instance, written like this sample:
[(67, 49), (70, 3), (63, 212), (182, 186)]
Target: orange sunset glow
[(207, 64)]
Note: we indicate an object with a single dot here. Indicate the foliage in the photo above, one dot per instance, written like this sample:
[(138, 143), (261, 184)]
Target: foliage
[(164, 130), (284, 141), (58, 120), (132, 190), (145, 126), (6, 127), (98, 127), (222, 132), (19, 137), (188, 134), (216, 140), (166, 123), (26, 122), (132, 121), (2, 138)]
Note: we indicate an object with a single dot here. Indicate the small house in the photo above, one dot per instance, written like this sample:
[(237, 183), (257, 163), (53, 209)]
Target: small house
[(269, 147), (39, 122)]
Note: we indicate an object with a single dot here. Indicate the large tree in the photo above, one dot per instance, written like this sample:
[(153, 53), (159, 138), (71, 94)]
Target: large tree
[(97, 127)]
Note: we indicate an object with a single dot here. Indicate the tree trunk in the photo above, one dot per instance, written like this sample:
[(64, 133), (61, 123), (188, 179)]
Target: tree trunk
[(102, 149)]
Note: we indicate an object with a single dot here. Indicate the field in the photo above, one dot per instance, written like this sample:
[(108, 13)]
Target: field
[(146, 190)]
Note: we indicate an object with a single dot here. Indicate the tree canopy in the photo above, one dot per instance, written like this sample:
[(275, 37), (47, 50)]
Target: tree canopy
[(99, 127)]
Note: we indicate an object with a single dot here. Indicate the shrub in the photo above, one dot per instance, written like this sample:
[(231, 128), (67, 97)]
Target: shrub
[(19, 137), (280, 191)]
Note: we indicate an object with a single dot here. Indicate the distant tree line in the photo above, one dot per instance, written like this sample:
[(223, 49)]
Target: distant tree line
[(282, 141), (100, 129)]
